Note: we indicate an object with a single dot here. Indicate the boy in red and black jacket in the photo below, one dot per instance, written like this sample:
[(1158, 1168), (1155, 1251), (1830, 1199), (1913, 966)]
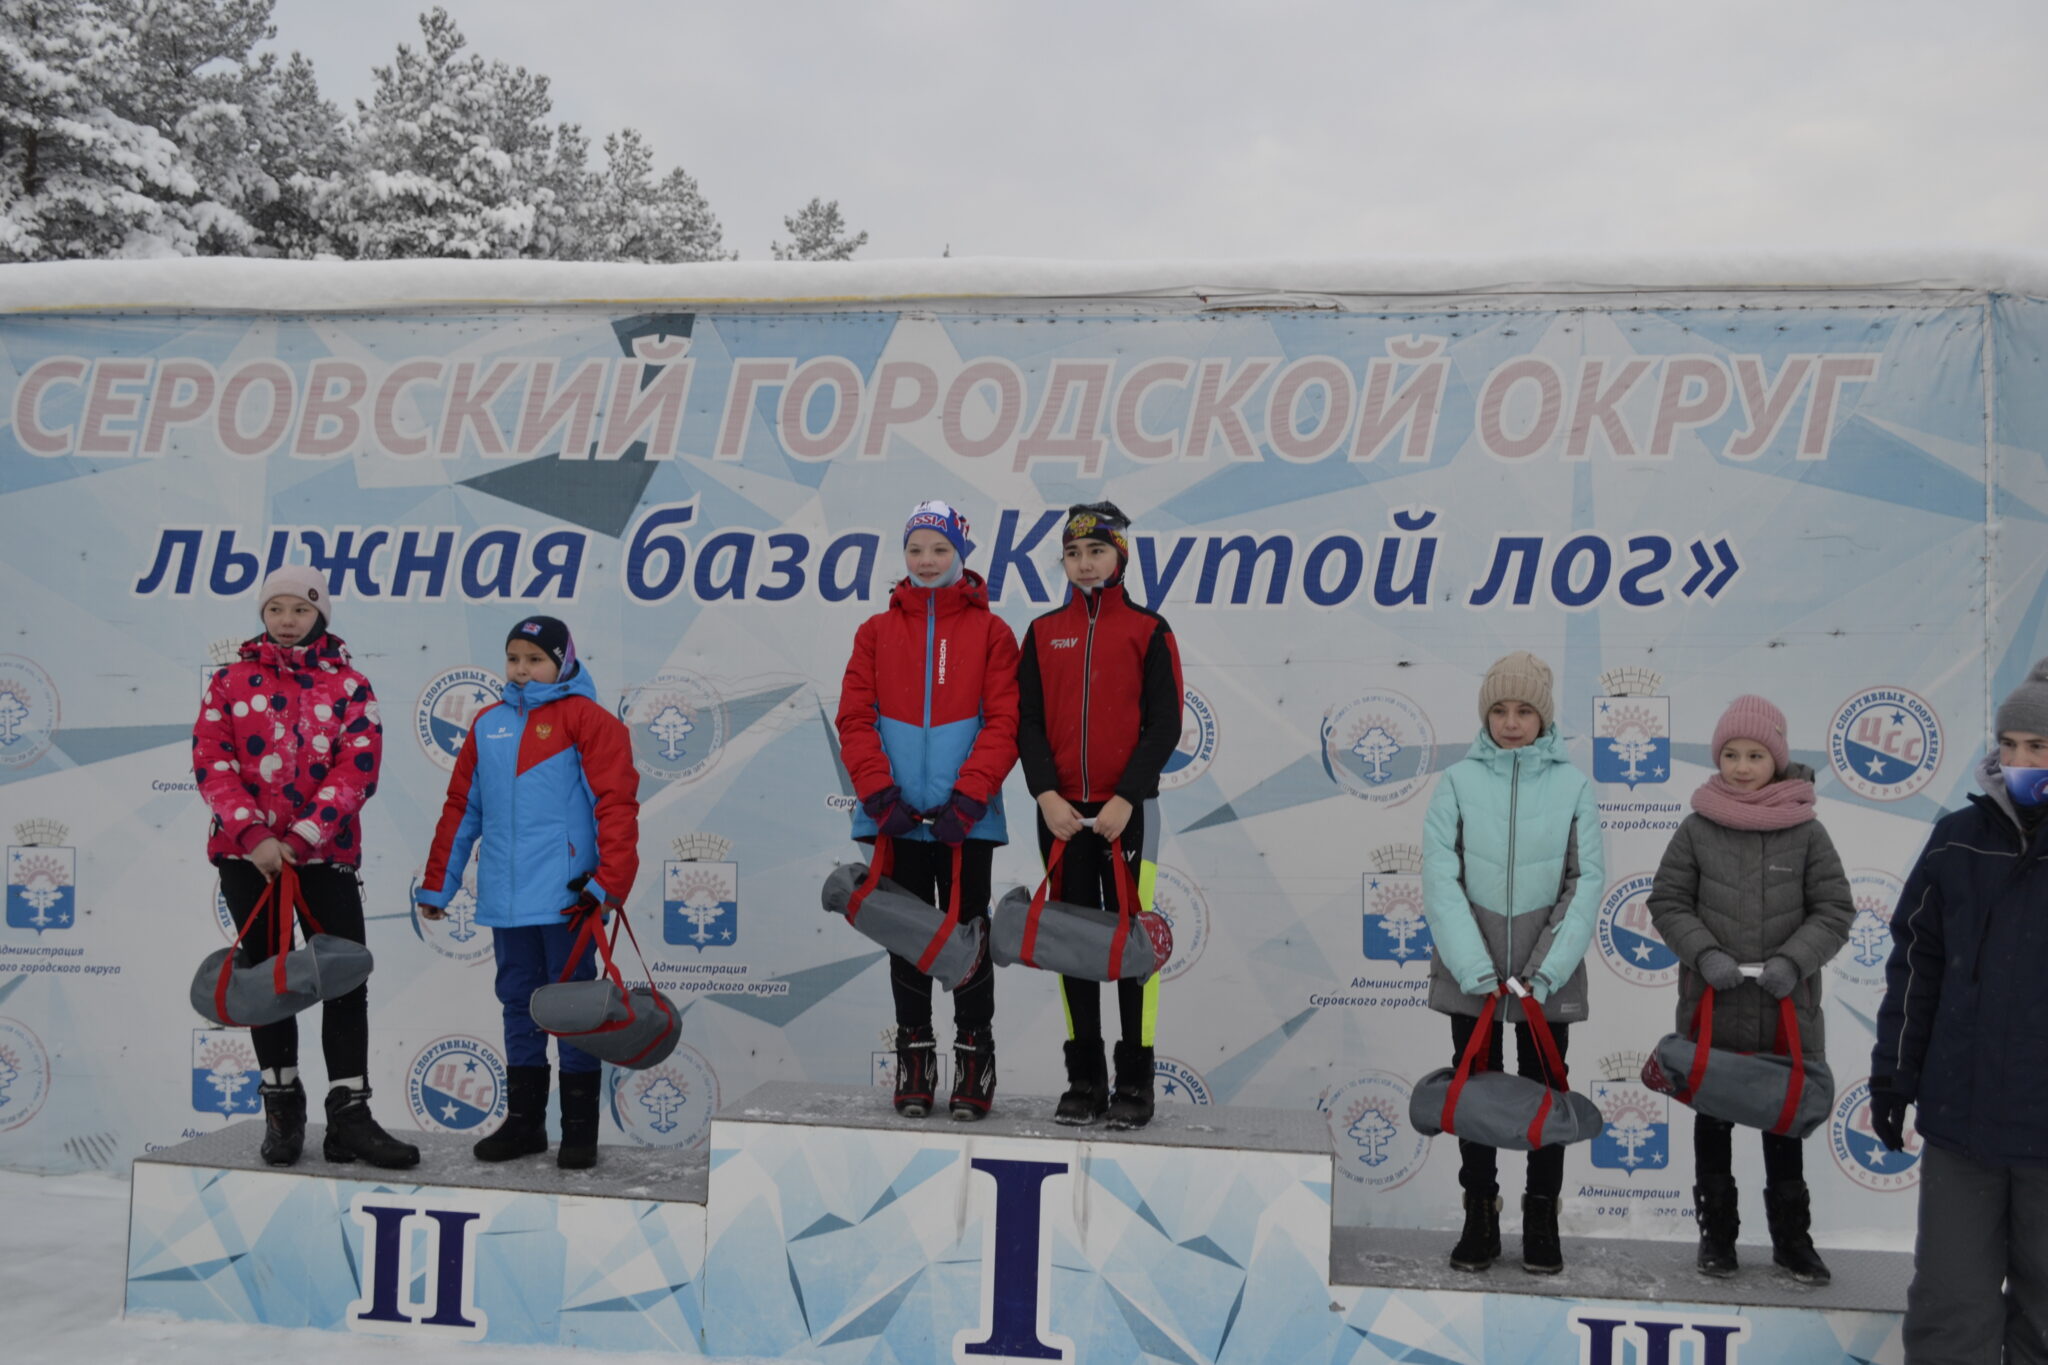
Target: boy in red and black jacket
[(1099, 702)]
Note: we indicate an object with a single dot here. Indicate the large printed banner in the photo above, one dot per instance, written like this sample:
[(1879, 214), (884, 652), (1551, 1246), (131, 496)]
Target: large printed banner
[(1346, 514)]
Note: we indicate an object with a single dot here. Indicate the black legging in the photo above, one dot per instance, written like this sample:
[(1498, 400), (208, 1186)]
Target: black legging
[(1086, 878), (335, 897), (924, 868), (1478, 1166), (1713, 1152)]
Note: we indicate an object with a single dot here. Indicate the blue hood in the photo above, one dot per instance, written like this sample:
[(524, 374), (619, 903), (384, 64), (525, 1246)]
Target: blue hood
[(524, 697)]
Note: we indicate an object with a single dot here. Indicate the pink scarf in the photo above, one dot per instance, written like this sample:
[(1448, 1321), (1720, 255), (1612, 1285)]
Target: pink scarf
[(1776, 805)]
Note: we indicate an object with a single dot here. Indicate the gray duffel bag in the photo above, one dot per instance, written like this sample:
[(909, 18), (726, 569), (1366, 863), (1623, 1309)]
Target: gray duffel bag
[(944, 947), (1496, 1109), (290, 979), (635, 1027), (1783, 1092), (1081, 940)]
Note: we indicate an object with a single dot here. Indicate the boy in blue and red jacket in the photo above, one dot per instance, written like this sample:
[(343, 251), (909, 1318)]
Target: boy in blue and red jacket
[(546, 780), (928, 730), (1099, 694)]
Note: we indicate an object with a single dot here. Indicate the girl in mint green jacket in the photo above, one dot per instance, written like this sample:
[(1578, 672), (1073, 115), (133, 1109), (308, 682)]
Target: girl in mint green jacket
[(1512, 870)]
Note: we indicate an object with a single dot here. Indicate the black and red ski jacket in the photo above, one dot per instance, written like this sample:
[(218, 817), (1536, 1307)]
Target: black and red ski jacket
[(1099, 699)]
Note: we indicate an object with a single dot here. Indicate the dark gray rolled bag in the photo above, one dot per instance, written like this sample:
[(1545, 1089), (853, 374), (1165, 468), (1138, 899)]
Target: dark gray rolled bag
[(634, 1027), (1783, 1092), (1497, 1109), (943, 947), (1081, 940), (288, 981)]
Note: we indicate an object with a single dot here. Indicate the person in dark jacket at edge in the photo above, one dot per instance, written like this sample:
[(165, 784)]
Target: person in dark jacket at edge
[(1963, 1034), (1099, 713)]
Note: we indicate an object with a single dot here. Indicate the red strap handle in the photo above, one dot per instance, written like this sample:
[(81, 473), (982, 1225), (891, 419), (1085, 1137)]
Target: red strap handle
[(1549, 1059), (592, 932), (1474, 1059), (1126, 905), (281, 891), (879, 867), (947, 925), (1788, 1040)]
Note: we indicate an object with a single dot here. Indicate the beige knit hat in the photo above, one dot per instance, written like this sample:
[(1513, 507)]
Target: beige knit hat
[(1519, 676)]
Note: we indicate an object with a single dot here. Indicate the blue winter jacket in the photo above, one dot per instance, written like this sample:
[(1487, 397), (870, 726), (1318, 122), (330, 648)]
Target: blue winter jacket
[(546, 780), (1512, 872), (1963, 1030)]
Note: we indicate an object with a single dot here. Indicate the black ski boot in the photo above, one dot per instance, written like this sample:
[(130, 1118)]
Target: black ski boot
[(1713, 1201), (1789, 1211), (974, 1074), (352, 1135), (1479, 1244), (525, 1129), (1087, 1094), (579, 1090), (917, 1070), (1131, 1105), (284, 1122), (1542, 1254)]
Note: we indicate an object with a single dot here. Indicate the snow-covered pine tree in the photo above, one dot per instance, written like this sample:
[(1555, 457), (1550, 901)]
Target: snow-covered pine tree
[(633, 217), (81, 174), (301, 149), (453, 156), (817, 233)]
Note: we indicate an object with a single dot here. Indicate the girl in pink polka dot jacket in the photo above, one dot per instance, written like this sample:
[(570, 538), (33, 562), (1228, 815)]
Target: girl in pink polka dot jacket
[(286, 751)]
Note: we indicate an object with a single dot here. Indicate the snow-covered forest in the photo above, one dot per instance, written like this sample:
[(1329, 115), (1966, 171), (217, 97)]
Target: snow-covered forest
[(148, 128)]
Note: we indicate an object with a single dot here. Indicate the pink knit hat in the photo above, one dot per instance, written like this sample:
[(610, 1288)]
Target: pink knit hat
[(297, 580), (1751, 717)]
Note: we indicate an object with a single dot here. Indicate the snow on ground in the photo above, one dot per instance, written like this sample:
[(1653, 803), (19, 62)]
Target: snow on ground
[(63, 1252)]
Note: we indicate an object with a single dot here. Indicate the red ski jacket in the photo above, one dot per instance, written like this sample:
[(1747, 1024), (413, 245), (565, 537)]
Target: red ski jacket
[(1099, 694), (929, 702), (287, 747)]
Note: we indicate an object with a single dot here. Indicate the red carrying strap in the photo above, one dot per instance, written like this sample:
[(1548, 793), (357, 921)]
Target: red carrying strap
[(1474, 1059), (1126, 905), (947, 925), (1787, 1042), (1548, 1058), (592, 932), (878, 867), (281, 891)]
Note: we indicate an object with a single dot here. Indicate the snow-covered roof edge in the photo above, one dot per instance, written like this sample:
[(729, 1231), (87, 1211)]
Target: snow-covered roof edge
[(234, 284)]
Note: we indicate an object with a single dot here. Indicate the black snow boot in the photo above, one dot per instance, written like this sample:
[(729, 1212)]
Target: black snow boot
[(1542, 1254), (1713, 1200), (284, 1122), (525, 1129), (917, 1070), (974, 1074), (352, 1135), (1131, 1105), (578, 1151), (1789, 1211), (1087, 1083), (1479, 1244)]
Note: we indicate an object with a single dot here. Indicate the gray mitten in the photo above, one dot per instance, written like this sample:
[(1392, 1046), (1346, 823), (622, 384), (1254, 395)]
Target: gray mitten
[(1780, 975), (1719, 970)]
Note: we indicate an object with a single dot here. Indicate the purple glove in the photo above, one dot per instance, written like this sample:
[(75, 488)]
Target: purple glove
[(952, 821), (887, 809)]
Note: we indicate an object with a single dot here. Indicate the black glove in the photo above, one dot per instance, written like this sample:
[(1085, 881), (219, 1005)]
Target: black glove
[(586, 904), (952, 821), (892, 816), (1888, 1114)]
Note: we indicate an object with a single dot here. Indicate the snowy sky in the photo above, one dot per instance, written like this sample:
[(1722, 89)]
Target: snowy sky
[(1178, 128)]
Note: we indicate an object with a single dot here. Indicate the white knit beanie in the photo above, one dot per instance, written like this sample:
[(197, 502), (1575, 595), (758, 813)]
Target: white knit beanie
[(297, 580)]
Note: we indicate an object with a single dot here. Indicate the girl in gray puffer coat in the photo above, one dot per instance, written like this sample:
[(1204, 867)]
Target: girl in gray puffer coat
[(1752, 877)]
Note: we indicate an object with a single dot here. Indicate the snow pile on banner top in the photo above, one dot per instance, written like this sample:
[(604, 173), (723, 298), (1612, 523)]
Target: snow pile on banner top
[(235, 284)]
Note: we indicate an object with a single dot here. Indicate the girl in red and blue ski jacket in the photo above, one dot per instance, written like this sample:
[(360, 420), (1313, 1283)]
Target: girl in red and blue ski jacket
[(928, 730), (546, 782)]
